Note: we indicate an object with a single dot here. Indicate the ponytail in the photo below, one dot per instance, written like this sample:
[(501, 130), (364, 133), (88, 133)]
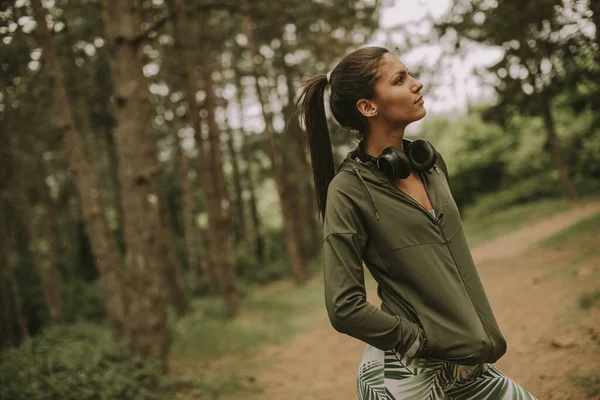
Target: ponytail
[(311, 106), (353, 78)]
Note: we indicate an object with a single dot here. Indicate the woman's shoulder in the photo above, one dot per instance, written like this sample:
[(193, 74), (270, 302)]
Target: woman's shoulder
[(345, 183)]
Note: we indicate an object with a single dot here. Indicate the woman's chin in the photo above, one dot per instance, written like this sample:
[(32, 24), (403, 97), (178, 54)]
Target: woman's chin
[(421, 114)]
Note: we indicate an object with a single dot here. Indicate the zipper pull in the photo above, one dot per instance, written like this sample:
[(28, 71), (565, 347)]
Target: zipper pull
[(439, 218), (437, 169)]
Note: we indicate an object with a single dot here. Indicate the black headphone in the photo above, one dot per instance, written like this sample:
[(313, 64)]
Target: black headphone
[(419, 155)]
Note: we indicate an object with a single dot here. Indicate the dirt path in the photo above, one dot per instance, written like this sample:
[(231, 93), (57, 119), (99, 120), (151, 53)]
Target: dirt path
[(534, 296), (512, 245)]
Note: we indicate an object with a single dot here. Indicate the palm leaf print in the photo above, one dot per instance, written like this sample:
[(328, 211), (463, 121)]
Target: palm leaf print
[(490, 385), (370, 382)]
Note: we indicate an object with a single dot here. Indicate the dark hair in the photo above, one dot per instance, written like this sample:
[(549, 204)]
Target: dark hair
[(352, 79)]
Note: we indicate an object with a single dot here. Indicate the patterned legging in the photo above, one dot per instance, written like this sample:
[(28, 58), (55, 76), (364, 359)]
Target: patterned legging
[(384, 375)]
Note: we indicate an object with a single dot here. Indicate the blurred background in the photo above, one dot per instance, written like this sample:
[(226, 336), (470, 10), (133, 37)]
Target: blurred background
[(159, 238)]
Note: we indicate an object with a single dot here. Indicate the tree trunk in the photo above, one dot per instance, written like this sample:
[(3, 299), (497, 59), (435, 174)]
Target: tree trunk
[(7, 274), (213, 184), (138, 172), (6, 322), (55, 304), (553, 140), (113, 173), (51, 234), (256, 230), (238, 201), (103, 247), (21, 320), (173, 273), (181, 31), (218, 207), (190, 231), (311, 240), (595, 7), (292, 234), (48, 276), (257, 233)]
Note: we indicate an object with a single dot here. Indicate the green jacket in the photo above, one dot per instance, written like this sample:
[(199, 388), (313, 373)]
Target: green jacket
[(427, 280)]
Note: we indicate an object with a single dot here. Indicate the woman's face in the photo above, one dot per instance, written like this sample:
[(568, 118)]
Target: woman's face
[(397, 99)]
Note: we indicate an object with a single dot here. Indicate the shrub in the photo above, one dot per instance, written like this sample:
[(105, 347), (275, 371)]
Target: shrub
[(78, 362)]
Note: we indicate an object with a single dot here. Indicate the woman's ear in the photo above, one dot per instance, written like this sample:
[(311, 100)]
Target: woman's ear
[(366, 108)]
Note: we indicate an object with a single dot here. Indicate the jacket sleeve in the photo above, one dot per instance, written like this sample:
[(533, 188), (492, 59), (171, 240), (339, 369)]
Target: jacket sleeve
[(345, 295), (444, 167)]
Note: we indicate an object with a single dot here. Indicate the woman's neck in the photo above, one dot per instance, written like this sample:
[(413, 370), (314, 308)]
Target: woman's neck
[(377, 141)]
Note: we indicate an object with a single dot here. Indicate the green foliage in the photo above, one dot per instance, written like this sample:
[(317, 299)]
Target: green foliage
[(83, 301), (586, 227), (588, 300), (482, 224), (521, 192), (590, 383), (499, 167), (78, 362), (250, 271), (206, 332)]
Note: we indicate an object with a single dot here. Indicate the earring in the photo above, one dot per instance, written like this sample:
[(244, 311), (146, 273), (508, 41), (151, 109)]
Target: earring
[(375, 114)]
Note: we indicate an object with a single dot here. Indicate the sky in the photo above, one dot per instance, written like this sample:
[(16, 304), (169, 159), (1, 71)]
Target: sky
[(459, 84)]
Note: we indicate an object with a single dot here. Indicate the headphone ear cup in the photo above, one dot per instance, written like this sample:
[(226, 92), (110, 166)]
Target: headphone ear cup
[(394, 163), (422, 155)]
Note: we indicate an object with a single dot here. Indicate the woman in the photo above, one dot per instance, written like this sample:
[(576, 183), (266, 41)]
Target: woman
[(389, 206)]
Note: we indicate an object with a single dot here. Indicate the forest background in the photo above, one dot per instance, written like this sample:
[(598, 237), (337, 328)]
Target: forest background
[(152, 169)]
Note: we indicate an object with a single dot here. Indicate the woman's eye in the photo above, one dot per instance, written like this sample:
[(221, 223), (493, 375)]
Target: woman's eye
[(400, 79)]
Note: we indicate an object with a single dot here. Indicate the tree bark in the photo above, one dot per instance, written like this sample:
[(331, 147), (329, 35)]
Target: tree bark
[(6, 325), (238, 201), (48, 276), (52, 268), (300, 173), (292, 232), (138, 172), (311, 239), (181, 31), (6, 272), (213, 184), (257, 233), (563, 169), (55, 304), (190, 231), (595, 7), (113, 173), (6, 330), (219, 217), (107, 255), (256, 230), (173, 272)]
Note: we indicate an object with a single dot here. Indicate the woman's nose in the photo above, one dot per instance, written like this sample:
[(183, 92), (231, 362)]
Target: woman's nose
[(417, 86)]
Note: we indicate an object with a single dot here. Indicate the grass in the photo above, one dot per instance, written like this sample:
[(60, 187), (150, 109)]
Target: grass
[(215, 357), (482, 225), (590, 384), (588, 300), (266, 318), (583, 228)]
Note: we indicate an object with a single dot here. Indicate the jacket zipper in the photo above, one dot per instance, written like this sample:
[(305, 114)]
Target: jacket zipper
[(438, 221)]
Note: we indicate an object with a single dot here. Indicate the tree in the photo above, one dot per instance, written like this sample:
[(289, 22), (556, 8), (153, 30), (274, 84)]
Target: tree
[(536, 52), (138, 173), (105, 250), (209, 154)]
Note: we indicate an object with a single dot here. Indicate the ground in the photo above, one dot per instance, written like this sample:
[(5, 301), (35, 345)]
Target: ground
[(534, 292)]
